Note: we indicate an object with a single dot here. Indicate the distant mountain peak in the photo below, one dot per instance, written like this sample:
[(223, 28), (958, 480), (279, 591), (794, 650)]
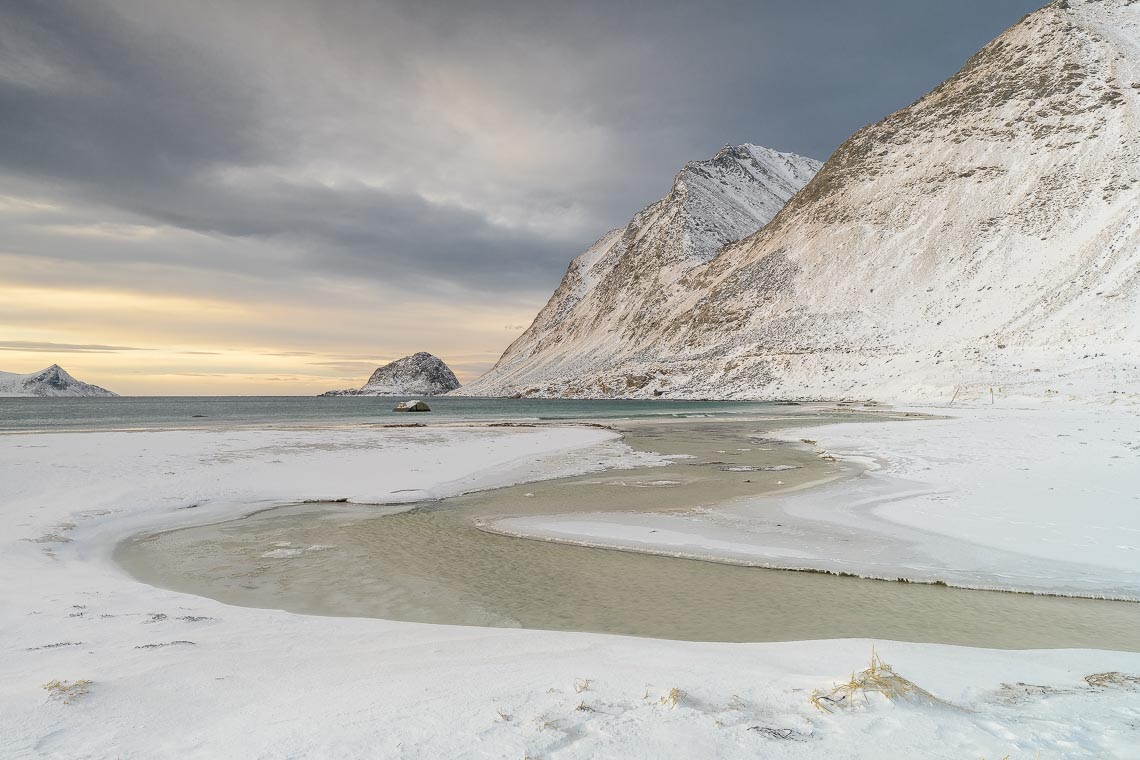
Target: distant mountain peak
[(53, 381)]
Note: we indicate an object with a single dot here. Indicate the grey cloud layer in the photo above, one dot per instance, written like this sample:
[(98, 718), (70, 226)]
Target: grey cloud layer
[(430, 146)]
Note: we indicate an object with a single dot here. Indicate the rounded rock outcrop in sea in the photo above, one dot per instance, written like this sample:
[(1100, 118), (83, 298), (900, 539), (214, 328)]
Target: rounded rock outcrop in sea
[(420, 374)]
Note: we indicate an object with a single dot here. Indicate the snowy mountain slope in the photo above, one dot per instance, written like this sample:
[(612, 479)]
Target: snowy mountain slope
[(613, 292), (53, 381), (986, 236), (420, 374)]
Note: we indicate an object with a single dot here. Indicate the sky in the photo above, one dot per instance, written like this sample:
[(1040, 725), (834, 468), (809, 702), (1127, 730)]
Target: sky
[(247, 197)]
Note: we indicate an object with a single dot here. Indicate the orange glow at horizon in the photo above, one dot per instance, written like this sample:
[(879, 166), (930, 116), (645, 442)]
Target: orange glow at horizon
[(148, 344)]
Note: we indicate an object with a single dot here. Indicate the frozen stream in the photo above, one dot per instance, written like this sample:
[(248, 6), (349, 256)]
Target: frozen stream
[(432, 564)]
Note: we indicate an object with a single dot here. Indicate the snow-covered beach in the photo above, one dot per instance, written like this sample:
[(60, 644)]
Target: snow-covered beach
[(1036, 499), (179, 675), (830, 451)]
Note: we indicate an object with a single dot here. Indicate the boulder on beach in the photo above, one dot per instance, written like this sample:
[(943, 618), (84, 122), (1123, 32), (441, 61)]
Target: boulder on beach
[(411, 406)]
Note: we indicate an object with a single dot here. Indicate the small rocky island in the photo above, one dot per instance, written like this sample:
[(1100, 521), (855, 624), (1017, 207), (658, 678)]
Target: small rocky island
[(420, 374)]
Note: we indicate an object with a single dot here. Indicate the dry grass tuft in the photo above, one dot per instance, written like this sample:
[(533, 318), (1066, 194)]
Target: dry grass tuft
[(544, 723), (67, 691), (1014, 693), (1113, 678), (879, 678), (776, 733), (673, 698)]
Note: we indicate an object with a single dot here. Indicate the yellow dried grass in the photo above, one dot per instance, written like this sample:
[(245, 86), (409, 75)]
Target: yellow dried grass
[(67, 691), (673, 697), (879, 678)]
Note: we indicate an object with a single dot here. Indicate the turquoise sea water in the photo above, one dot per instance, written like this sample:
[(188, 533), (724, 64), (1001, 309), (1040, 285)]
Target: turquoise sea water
[(150, 412)]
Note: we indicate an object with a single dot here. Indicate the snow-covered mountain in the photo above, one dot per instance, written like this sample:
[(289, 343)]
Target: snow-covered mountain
[(612, 295), (53, 381), (420, 374), (987, 236)]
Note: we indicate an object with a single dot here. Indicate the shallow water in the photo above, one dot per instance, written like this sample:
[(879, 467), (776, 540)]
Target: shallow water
[(432, 565)]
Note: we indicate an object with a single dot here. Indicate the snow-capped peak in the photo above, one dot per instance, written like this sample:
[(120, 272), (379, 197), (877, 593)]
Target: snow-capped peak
[(734, 193), (50, 381), (620, 282), (987, 236)]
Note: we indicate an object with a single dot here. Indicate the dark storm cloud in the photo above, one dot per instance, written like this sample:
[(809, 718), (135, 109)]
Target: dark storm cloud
[(370, 233), (88, 99), (465, 146)]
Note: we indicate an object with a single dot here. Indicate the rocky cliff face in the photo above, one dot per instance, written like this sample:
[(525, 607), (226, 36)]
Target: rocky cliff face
[(987, 236), (53, 381), (417, 375)]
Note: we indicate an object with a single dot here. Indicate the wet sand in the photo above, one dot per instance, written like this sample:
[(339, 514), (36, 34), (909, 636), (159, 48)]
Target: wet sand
[(431, 564)]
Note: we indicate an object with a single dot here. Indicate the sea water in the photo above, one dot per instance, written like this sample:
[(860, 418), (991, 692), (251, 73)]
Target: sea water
[(156, 412)]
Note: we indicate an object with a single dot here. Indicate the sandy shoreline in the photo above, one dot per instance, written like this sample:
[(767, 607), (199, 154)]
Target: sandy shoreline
[(178, 675), (350, 560), (866, 526)]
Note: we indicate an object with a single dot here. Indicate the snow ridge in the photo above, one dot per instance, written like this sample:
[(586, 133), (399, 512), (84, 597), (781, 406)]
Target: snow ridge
[(987, 236), (53, 381), (613, 292), (420, 374)]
